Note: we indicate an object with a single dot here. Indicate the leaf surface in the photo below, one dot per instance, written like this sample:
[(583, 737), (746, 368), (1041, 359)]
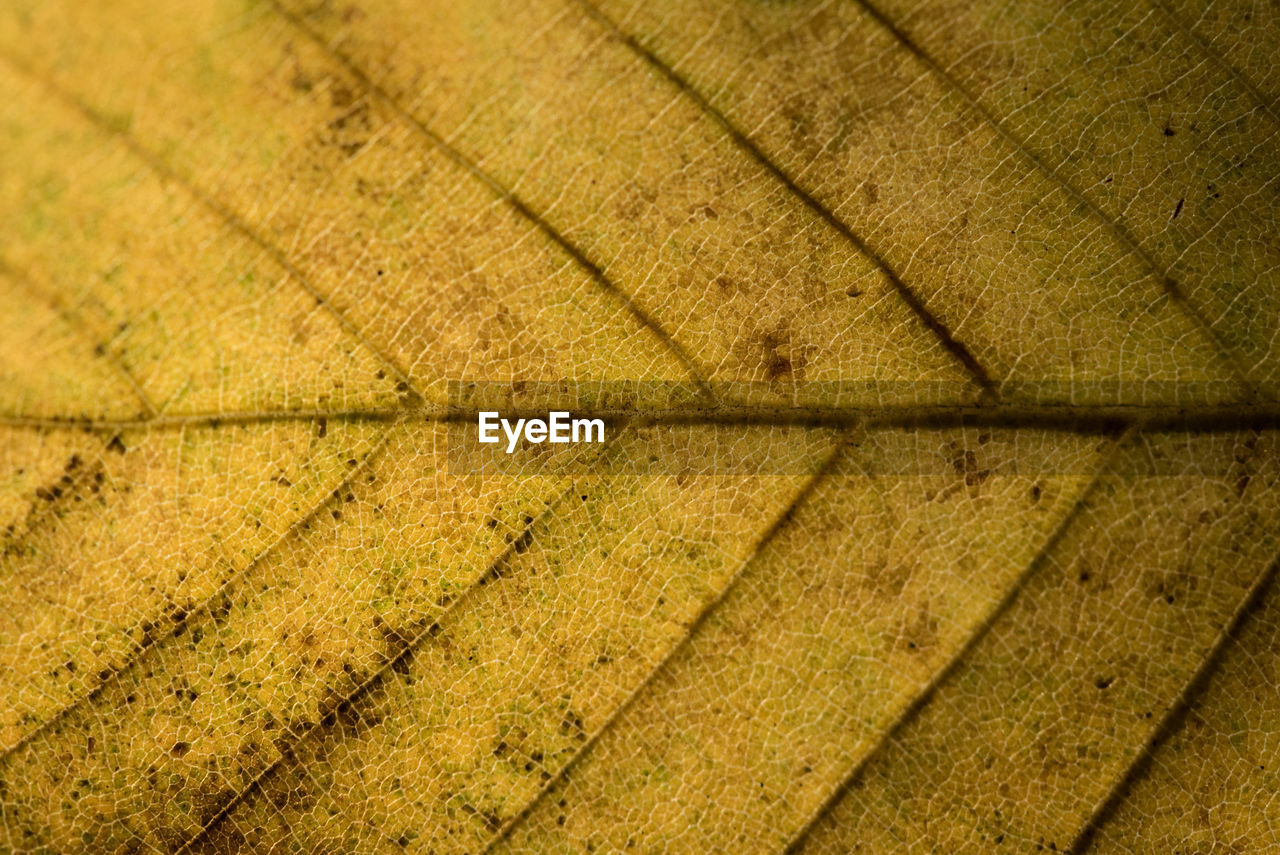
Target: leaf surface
[(937, 345)]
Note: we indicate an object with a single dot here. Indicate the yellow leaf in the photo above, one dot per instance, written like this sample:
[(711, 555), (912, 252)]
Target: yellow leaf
[(936, 348)]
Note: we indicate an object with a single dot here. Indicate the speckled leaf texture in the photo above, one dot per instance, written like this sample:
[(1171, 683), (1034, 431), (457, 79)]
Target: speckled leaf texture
[(939, 349)]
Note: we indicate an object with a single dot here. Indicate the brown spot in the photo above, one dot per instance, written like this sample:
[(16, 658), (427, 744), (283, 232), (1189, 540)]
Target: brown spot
[(888, 580), (920, 634), (341, 96), (780, 358), (572, 723), (778, 367), (522, 543), (965, 463), (727, 285)]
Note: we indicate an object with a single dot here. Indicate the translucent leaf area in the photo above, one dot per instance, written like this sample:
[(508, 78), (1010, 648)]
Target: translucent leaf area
[(938, 345)]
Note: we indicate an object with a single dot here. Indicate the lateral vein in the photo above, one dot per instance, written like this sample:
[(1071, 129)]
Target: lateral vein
[(949, 342)]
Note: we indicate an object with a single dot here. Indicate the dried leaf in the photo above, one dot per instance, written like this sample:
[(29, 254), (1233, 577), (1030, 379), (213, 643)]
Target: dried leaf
[(937, 349)]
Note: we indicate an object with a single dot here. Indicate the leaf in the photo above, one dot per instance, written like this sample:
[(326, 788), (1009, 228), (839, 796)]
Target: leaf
[(937, 348)]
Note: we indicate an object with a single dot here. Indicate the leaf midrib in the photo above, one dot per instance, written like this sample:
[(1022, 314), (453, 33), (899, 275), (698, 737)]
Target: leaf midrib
[(1085, 419), (1071, 418)]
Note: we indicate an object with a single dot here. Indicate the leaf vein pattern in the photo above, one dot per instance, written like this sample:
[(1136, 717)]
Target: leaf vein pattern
[(77, 321), (1273, 113), (387, 667), (509, 197), (233, 221), (178, 621), (1000, 608), (1175, 716), (949, 342), (774, 529), (1163, 278), (1086, 418)]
